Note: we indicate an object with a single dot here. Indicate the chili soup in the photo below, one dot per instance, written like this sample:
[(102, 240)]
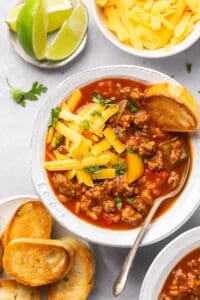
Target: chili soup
[(106, 159), (183, 282)]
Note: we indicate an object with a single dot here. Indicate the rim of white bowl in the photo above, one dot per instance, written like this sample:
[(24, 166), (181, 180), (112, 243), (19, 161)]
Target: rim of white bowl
[(193, 37), (17, 197), (166, 260), (163, 226)]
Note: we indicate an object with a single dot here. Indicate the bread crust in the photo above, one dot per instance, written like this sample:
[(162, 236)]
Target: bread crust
[(12, 289), (37, 262), (78, 283), (31, 219), (173, 107)]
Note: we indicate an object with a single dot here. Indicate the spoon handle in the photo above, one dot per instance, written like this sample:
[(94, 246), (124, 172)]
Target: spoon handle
[(121, 279)]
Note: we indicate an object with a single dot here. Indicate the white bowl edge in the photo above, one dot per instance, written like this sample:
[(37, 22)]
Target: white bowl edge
[(163, 226)]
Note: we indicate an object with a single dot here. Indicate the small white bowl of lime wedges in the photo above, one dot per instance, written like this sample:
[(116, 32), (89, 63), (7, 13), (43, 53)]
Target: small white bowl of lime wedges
[(48, 34)]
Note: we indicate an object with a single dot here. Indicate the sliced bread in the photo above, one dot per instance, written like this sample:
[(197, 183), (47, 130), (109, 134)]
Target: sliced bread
[(12, 290), (172, 107), (37, 262), (78, 283), (31, 219)]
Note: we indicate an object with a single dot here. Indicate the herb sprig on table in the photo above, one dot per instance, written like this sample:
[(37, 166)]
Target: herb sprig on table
[(20, 96)]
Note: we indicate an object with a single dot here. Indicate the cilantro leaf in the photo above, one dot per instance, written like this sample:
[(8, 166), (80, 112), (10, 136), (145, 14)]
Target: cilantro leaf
[(20, 96), (132, 107), (54, 116), (93, 169), (97, 98), (120, 168), (131, 150), (129, 200), (118, 202), (85, 124), (96, 112)]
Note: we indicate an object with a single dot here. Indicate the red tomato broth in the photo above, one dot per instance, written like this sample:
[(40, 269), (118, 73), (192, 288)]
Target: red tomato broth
[(107, 88), (183, 287)]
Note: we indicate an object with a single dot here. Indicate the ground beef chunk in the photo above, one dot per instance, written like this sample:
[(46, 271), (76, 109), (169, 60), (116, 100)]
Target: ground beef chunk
[(147, 149), (130, 215), (64, 185), (123, 187), (109, 206), (174, 179), (126, 120), (142, 145), (85, 203), (62, 149), (156, 163), (156, 132), (62, 198), (140, 205), (95, 193), (123, 123), (140, 118), (177, 152), (130, 92), (146, 196), (94, 212)]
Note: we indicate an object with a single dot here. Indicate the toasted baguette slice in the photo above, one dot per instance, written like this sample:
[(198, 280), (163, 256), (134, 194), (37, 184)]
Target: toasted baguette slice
[(78, 283), (4, 238), (36, 262), (30, 220), (172, 107), (12, 290)]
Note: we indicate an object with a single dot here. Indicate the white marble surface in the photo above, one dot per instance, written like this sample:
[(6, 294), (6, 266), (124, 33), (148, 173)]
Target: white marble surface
[(16, 125)]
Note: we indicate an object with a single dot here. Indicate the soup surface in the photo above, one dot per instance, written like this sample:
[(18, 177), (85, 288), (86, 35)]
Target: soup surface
[(183, 282), (106, 159)]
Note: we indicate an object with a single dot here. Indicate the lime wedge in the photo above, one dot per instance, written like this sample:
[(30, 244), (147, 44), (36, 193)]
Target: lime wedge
[(70, 35), (11, 18), (57, 12), (32, 28)]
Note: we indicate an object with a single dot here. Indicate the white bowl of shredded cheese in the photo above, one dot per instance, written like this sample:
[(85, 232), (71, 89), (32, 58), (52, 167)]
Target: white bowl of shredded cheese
[(151, 29)]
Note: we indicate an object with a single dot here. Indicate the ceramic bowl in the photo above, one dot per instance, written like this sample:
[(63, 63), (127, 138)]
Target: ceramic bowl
[(163, 226), (160, 53), (166, 260)]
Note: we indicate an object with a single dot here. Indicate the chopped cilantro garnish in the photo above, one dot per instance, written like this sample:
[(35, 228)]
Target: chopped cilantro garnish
[(54, 116), (131, 106), (120, 168), (118, 202), (188, 67), (97, 98), (85, 124), (93, 169), (131, 150), (129, 199), (58, 141), (96, 112)]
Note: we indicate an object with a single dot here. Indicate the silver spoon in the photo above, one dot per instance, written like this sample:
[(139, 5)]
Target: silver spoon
[(121, 279)]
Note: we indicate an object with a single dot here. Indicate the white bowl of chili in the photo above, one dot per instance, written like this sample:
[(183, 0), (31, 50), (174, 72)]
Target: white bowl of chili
[(167, 277), (77, 220)]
